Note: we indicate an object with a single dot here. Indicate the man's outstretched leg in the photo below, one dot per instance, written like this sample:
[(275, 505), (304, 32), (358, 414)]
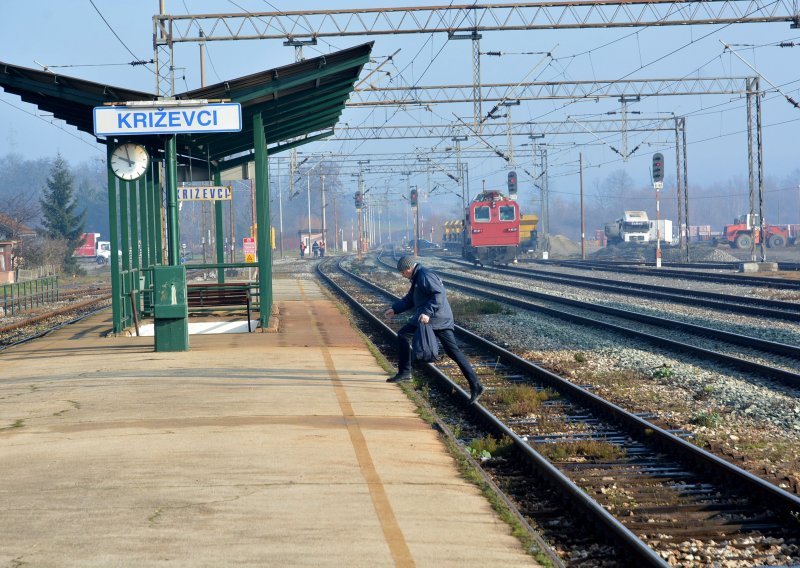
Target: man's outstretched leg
[(404, 361), (448, 339)]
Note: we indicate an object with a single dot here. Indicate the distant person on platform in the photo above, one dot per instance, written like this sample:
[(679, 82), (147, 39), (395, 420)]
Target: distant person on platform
[(321, 249), (315, 249), (428, 298), (302, 249)]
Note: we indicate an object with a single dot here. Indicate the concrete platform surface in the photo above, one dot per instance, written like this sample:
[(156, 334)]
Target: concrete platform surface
[(265, 449)]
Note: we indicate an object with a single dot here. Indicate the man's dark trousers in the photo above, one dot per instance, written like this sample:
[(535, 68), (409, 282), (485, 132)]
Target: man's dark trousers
[(448, 340)]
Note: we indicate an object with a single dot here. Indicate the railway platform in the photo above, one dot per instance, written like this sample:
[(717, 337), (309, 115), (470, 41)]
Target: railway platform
[(284, 448)]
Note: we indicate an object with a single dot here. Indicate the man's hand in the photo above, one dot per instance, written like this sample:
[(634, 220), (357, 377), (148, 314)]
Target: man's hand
[(388, 314), (424, 318)]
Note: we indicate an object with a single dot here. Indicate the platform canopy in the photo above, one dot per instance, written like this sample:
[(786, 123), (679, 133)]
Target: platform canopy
[(299, 103)]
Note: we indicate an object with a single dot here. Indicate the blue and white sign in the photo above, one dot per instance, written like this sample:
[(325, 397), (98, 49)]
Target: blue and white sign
[(204, 193), (134, 120)]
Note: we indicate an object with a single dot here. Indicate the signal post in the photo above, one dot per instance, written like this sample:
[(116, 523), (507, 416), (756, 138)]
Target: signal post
[(658, 184)]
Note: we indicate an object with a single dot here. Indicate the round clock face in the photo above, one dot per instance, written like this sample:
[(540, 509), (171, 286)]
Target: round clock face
[(129, 161)]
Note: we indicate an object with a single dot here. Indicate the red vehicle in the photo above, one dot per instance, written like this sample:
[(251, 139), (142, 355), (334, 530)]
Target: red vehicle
[(492, 233), (747, 228)]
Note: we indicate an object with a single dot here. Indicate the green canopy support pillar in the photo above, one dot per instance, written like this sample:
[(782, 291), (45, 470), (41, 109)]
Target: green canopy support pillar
[(170, 307), (133, 194), (145, 220), (220, 230), (125, 242), (113, 224), (158, 217), (263, 243), (173, 232)]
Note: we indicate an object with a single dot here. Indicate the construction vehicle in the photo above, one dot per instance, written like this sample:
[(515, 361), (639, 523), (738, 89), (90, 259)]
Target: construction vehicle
[(633, 227), (746, 229), (528, 236)]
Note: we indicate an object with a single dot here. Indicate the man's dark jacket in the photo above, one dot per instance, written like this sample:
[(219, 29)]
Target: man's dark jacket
[(427, 296)]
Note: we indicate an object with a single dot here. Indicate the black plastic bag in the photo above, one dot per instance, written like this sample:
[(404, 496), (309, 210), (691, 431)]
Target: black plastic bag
[(425, 345)]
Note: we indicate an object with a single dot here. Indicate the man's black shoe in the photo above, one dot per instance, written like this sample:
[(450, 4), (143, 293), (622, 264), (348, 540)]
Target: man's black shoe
[(476, 394), (399, 378)]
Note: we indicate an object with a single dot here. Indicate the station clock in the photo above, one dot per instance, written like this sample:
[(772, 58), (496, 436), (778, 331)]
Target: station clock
[(129, 161)]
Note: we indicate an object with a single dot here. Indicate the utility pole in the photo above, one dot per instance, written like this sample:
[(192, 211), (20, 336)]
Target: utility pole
[(324, 232), (624, 111), (280, 209), (308, 192), (458, 140), (509, 136), (583, 224), (476, 75)]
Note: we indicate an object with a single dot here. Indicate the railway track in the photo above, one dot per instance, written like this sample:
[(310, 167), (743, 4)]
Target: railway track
[(660, 497), (784, 359), (724, 302), (38, 323), (752, 281)]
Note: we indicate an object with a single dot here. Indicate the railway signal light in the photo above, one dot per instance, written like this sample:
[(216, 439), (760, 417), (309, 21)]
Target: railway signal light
[(658, 167), (512, 184), (413, 198), (359, 200)]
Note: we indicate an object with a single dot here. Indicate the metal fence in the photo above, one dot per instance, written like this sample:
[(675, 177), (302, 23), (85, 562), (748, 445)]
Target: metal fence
[(28, 295)]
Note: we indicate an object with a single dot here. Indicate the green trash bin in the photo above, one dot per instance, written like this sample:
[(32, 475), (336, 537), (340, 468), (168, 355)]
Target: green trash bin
[(170, 308)]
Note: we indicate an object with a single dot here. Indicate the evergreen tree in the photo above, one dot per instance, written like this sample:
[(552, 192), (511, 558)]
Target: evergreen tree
[(59, 216)]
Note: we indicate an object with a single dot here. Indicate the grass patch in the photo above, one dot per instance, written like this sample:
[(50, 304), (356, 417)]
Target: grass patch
[(663, 372), (622, 378), (521, 400), (474, 307), (591, 450), (707, 419), (489, 446)]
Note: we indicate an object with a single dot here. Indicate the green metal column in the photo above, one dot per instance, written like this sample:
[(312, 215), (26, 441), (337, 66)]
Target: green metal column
[(158, 217), (124, 199), (170, 309), (220, 232), (135, 266), (173, 233), (263, 244), (144, 210), (114, 238)]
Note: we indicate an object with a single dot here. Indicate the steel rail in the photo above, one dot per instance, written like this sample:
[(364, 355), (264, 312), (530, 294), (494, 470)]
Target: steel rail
[(653, 436), (784, 376), (724, 302), (685, 274), (716, 265), (790, 503), (52, 329), (553, 475)]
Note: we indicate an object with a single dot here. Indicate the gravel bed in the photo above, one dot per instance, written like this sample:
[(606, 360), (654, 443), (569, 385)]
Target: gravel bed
[(752, 421), (773, 330), (678, 283)]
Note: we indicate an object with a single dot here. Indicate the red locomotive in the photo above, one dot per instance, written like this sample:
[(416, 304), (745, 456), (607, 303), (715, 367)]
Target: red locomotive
[(491, 229)]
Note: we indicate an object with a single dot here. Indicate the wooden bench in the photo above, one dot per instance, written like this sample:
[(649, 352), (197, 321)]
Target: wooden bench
[(216, 297)]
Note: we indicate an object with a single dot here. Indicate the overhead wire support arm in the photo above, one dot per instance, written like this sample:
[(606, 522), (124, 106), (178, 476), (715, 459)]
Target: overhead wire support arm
[(467, 18), (791, 101)]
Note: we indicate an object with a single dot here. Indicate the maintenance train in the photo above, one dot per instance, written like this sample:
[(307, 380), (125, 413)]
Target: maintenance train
[(490, 232)]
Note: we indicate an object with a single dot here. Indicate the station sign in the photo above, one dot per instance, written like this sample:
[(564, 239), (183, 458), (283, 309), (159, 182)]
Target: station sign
[(204, 193), (136, 120)]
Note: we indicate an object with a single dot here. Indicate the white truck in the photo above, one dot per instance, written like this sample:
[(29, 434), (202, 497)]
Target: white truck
[(667, 236), (633, 227), (92, 247)]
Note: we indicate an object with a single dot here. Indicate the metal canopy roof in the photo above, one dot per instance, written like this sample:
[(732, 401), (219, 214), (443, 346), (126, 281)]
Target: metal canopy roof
[(295, 101)]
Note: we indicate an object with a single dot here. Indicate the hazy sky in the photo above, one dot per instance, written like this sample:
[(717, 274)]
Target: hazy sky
[(71, 38)]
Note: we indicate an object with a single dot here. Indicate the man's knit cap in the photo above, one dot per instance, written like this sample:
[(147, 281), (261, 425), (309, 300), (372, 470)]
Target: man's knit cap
[(405, 263)]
